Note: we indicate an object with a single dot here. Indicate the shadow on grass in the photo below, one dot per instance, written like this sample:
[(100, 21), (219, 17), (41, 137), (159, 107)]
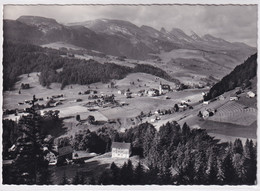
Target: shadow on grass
[(88, 170)]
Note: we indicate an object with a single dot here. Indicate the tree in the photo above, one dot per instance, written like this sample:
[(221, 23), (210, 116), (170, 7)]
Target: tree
[(76, 179), (30, 164), (78, 117), (238, 146), (64, 180), (229, 171), (115, 171), (139, 174), (91, 119), (105, 178), (176, 107), (250, 162)]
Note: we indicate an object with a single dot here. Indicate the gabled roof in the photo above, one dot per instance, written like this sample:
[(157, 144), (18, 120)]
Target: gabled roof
[(120, 145)]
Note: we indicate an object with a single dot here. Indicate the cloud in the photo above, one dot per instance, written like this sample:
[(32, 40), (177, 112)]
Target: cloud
[(231, 22)]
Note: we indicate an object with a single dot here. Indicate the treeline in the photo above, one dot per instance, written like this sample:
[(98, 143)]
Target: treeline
[(86, 72), (95, 141), (19, 58), (239, 77)]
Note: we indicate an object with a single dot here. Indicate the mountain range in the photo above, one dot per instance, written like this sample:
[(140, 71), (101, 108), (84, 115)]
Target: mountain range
[(117, 37)]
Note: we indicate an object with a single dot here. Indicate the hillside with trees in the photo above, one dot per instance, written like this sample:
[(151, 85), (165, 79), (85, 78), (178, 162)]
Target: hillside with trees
[(239, 77), (22, 58)]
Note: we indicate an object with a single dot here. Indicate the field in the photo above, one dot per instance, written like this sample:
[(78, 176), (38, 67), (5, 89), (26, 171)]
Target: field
[(237, 119), (235, 113), (92, 167), (58, 45)]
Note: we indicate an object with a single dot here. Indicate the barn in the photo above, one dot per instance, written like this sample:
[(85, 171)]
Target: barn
[(121, 150)]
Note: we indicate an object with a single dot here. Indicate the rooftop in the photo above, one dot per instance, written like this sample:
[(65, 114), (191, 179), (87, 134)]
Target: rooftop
[(120, 145)]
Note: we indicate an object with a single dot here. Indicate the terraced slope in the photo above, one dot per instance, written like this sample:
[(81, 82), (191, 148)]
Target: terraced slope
[(233, 112)]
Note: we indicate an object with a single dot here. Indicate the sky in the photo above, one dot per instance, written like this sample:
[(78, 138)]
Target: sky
[(235, 23)]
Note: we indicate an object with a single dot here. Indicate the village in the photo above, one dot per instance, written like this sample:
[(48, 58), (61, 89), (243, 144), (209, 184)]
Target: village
[(108, 103)]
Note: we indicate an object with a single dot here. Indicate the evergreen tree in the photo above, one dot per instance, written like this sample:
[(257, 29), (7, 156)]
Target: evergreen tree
[(105, 178), (115, 171), (238, 146), (76, 179), (64, 180), (138, 174), (123, 175), (250, 162), (151, 177), (30, 165), (229, 171)]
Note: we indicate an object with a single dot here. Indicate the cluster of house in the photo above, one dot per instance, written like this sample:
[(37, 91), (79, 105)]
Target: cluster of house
[(207, 113), (182, 106), (235, 96), (102, 101), (152, 92), (126, 93), (25, 86), (30, 102), (66, 155), (88, 92)]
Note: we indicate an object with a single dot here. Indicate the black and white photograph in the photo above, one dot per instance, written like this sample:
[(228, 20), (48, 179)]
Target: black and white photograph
[(129, 94)]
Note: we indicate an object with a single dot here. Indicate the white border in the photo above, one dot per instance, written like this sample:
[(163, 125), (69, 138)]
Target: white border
[(137, 188)]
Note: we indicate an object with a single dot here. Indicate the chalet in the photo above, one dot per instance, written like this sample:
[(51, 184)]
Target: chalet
[(128, 94), (205, 114), (122, 92), (233, 97), (221, 97), (205, 102), (51, 158), (164, 88), (153, 120), (153, 92), (121, 150), (250, 94)]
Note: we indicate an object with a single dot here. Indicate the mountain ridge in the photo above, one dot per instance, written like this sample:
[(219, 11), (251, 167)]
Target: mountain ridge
[(115, 37)]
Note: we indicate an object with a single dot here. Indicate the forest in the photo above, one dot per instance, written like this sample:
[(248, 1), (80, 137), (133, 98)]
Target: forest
[(22, 58), (174, 155), (239, 77)]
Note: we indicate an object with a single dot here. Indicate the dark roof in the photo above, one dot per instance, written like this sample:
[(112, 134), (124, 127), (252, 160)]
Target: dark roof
[(121, 145), (65, 150), (165, 86)]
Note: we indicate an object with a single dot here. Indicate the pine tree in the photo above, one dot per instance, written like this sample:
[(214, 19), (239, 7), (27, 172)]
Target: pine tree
[(115, 173), (151, 177), (229, 171), (238, 146), (76, 179), (250, 162), (138, 174), (64, 180), (30, 165)]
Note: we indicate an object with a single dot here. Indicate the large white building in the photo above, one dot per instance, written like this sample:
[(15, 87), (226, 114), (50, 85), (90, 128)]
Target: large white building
[(121, 150)]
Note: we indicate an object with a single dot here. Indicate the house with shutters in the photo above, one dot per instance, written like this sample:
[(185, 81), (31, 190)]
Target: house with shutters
[(121, 150)]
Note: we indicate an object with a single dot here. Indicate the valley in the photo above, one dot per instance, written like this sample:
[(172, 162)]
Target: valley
[(106, 95)]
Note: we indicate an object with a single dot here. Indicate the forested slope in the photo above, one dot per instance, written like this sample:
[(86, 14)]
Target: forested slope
[(239, 77)]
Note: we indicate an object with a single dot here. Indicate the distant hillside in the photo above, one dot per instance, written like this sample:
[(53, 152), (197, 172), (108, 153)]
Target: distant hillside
[(239, 77), (22, 58), (116, 37)]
